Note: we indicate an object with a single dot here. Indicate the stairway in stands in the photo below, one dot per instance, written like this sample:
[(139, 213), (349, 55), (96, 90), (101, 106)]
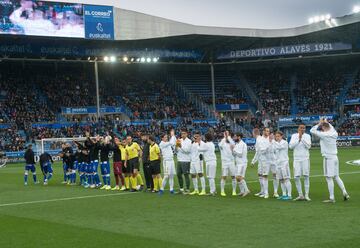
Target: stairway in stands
[(349, 81), (294, 107)]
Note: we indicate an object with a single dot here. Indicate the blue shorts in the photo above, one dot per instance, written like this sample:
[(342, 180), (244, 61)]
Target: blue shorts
[(84, 168), (95, 166), (76, 165), (88, 168), (30, 167), (105, 168), (47, 168), (65, 167)]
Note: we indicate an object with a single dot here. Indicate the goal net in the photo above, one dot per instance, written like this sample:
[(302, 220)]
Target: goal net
[(53, 145)]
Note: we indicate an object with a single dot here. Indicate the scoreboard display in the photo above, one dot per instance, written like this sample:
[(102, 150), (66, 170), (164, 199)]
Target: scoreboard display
[(54, 19)]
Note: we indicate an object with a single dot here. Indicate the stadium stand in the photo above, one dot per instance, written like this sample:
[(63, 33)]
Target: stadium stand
[(272, 88), (317, 92), (28, 99)]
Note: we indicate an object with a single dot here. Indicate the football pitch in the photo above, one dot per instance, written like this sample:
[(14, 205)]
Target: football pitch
[(71, 216)]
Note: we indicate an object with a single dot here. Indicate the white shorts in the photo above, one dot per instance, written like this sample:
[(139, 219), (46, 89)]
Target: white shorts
[(331, 167), (197, 167), (241, 170), (301, 168), (283, 171), (263, 168), (211, 169), (273, 168), (169, 167), (228, 169)]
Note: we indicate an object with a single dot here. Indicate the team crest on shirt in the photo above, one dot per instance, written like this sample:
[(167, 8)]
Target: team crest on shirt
[(354, 162)]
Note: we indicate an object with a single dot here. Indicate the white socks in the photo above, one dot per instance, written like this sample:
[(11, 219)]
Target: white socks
[(222, 185), (212, 185), (195, 182), (276, 184), (203, 184), (306, 185), (330, 183), (340, 183), (243, 186), (283, 188), (164, 182), (234, 185), (171, 182), (298, 186), (261, 181), (288, 187), (266, 185), (246, 189)]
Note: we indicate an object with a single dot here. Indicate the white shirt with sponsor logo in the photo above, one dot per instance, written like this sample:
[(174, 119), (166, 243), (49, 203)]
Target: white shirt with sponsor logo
[(195, 154), (327, 141), (240, 153), (208, 149), (226, 151), (281, 151), (300, 147), (183, 152), (261, 149), (166, 148)]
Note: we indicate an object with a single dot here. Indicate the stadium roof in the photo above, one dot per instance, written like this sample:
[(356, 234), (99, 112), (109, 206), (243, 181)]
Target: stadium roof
[(135, 30), (131, 25)]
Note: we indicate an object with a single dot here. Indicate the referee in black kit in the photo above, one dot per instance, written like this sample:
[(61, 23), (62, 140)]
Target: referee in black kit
[(146, 162)]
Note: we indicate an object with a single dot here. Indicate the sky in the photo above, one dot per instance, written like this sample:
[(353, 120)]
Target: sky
[(267, 14)]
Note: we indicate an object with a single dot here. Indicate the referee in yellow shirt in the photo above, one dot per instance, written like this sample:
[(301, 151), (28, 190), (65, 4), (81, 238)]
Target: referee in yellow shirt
[(132, 163), (125, 170), (155, 162)]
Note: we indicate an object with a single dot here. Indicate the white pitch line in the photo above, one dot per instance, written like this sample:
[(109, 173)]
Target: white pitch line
[(344, 173), (117, 194), (62, 199)]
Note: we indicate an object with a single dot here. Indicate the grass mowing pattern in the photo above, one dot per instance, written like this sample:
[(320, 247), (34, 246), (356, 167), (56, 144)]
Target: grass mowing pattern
[(77, 217)]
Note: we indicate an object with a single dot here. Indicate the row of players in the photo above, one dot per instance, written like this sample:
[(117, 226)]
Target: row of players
[(271, 156)]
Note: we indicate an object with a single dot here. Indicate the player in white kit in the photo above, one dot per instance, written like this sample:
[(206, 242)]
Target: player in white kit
[(240, 154), (208, 149), (226, 146), (300, 142), (261, 148), (271, 160), (328, 136), (281, 148), (197, 166), (167, 154)]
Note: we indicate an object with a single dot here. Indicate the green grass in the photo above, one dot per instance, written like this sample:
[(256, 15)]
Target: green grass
[(108, 219)]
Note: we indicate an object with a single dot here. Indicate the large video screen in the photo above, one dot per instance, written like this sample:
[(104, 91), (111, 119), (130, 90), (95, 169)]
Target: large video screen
[(39, 18)]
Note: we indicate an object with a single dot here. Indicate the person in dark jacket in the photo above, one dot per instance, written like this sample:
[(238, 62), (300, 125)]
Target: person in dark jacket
[(30, 165), (46, 166), (146, 163), (93, 148), (105, 148)]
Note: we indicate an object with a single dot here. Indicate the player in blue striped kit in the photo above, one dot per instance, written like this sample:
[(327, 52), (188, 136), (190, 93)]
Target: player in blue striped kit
[(93, 176), (46, 166), (30, 165), (105, 149)]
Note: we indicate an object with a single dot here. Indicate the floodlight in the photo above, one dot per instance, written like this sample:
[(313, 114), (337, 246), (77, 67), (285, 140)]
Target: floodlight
[(112, 59), (356, 9)]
